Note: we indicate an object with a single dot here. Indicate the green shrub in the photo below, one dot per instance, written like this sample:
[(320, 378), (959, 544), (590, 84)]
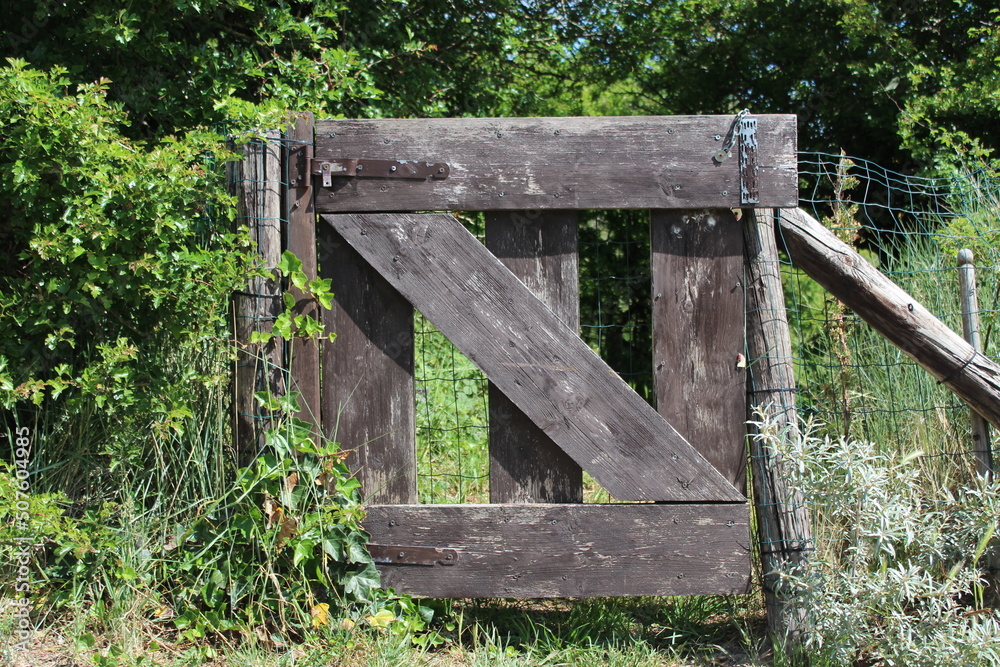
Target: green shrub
[(897, 576), (112, 254)]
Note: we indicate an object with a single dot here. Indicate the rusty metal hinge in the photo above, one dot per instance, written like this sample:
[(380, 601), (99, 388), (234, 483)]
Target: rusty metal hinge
[(385, 554), (327, 168)]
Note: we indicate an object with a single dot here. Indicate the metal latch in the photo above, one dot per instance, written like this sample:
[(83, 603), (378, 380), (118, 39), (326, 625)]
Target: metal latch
[(744, 130), (327, 168), (385, 554), (749, 188)]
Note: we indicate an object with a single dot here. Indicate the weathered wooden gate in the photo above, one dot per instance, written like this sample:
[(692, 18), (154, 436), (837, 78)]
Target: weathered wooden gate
[(511, 306)]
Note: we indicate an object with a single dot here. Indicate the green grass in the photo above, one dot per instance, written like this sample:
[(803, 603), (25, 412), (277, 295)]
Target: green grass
[(630, 632)]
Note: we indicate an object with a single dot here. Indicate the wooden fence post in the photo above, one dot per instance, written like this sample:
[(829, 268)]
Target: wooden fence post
[(303, 353), (970, 329), (784, 530), (256, 181)]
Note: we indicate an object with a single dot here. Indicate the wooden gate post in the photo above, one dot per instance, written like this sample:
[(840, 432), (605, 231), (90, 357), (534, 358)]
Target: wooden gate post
[(256, 181), (784, 530), (303, 353)]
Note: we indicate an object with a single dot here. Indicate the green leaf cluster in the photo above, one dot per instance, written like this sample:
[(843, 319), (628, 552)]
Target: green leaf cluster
[(112, 252)]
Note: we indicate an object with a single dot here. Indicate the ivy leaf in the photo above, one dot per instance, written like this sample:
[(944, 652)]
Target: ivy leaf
[(303, 551), (334, 548), (261, 337), (325, 300), (361, 582), (356, 551), (289, 263), (320, 285), (283, 325)]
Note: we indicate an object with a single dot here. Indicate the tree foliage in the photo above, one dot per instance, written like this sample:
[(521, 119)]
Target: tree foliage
[(889, 81), (183, 63)]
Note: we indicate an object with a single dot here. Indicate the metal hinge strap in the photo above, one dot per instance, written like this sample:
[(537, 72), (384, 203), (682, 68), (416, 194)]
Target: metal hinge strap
[(385, 554), (327, 168)]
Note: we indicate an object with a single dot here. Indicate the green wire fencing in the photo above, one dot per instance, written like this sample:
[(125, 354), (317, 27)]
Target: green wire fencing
[(912, 229)]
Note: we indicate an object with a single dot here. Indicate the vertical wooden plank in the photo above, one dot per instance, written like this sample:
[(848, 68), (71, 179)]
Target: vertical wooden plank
[(783, 526), (970, 329), (257, 184), (368, 395), (698, 318), (301, 216), (540, 248)]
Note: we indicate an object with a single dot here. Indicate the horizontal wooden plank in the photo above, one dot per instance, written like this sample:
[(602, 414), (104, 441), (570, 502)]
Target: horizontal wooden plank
[(568, 163), (558, 550), (533, 357)]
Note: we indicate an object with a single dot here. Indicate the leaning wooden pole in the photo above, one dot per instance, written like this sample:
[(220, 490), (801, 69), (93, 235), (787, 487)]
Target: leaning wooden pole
[(893, 313), (785, 533)]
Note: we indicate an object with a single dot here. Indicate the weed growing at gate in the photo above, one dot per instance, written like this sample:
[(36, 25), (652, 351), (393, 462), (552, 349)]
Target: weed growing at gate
[(898, 572)]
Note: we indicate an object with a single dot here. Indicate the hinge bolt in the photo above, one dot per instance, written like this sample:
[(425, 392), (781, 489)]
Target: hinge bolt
[(392, 168)]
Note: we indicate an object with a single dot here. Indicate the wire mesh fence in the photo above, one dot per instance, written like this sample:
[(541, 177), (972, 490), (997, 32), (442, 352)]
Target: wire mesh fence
[(847, 375), (911, 228)]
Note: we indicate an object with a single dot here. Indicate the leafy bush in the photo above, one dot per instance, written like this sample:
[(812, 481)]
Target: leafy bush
[(897, 574), (111, 255)]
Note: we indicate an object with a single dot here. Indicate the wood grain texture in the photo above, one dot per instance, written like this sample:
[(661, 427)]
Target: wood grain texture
[(893, 313), (368, 392), (539, 363), (561, 163), (698, 316), (257, 185), (555, 550), (783, 524), (540, 248), (301, 216)]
